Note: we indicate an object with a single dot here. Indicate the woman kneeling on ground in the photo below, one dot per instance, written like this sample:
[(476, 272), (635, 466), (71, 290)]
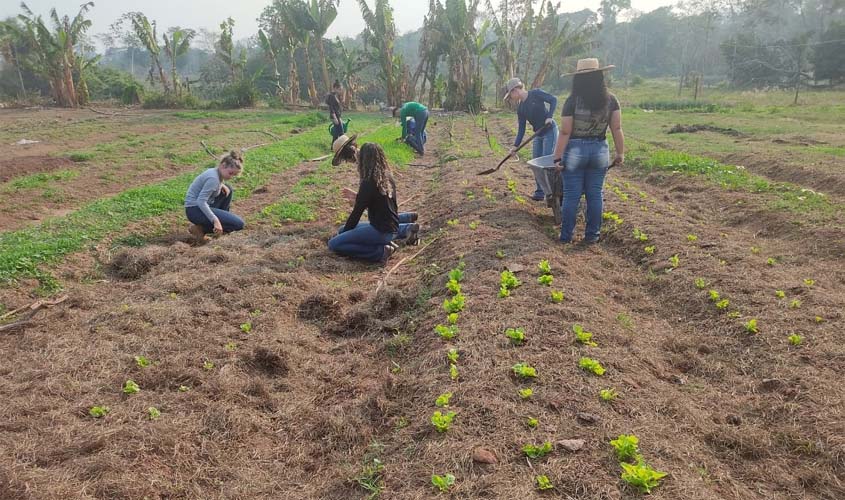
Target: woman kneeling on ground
[(374, 241), (208, 199), (582, 152)]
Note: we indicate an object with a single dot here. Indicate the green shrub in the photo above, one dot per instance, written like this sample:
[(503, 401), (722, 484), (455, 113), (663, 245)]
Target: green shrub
[(243, 94), (167, 100)]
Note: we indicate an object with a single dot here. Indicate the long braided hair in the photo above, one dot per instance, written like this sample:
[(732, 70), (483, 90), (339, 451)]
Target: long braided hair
[(373, 165)]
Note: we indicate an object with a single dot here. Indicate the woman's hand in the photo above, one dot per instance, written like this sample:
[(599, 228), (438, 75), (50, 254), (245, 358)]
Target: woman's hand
[(218, 228), (225, 189), (549, 121), (559, 165), (618, 161)]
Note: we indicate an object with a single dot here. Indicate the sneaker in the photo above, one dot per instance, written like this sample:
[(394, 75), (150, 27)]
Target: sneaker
[(198, 233), (590, 241), (538, 197), (413, 235), (388, 252)]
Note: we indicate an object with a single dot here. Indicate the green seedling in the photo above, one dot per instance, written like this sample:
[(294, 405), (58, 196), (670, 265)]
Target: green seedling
[(526, 393), (692, 238), (545, 267), (734, 314), (443, 400), (523, 370), (780, 294), (453, 286), (452, 222), (532, 422), (208, 365), (809, 282), (504, 293), (537, 451), (130, 387), (512, 186), (546, 279), (509, 280), (441, 421), (556, 296), (442, 483), (455, 304), (722, 304), (818, 319), (674, 261), (583, 337), (795, 339), (700, 283), (649, 250), (639, 235), (592, 366), (516, 335), (470, 195), (625, 321), (230, 346), (626, 447), (142, 361), (452, 318), (519, 199), (453, 371), (184, 388), (755, 250), (153, 413), (457, 274), (488, 193), (474, 225), (99, 411), (446, 332), (452, 355), (611, 216), (795, 304), (751, 326), (246, 327), (543, 483), (771, 261), (714, 295), (642, 476), (608, 395), (500, 254)]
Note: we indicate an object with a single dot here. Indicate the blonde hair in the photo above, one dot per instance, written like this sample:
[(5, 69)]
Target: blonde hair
[(234, 159)]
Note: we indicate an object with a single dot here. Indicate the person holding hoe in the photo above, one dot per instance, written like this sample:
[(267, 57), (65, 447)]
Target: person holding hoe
[(420, 114), (536, 107), (374, 241), (581, 152), (335, 110), (208, 198)]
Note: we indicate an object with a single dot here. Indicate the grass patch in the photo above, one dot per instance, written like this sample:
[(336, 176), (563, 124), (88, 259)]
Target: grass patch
[(81, 156), (39, 180), (682, 105)]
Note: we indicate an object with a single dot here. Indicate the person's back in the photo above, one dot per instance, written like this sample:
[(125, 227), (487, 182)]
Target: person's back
[(204, 187)]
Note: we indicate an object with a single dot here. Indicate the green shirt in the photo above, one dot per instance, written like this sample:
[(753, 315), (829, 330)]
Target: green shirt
[(410, 108)]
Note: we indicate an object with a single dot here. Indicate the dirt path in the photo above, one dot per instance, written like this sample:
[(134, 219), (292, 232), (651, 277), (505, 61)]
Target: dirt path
[(325, 379)]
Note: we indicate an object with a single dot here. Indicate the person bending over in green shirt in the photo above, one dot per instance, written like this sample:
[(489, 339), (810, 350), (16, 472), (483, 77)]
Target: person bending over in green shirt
[(420, 114)]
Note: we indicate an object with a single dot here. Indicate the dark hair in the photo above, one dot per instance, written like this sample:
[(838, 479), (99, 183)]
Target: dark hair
[(373, 165), (336, 84), (592, 90)]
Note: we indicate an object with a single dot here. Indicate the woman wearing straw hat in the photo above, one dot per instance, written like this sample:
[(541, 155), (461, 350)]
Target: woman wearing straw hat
[(581, 152), (345, 149), (537, 107)]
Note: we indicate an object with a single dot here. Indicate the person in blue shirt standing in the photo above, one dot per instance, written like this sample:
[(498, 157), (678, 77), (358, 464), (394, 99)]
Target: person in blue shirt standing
[(537, 107)]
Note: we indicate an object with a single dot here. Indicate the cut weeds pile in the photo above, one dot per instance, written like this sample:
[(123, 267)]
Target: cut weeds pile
[(275, 372)]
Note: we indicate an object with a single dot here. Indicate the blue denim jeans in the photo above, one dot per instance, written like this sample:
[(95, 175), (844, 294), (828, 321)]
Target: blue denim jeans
[(366, 242), (337, 131), (419, 138), (585, 165), (543, 145), (220, 207)]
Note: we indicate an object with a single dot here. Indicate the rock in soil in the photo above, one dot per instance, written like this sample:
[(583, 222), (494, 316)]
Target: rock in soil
[(571, 444), (483, 456), (587, 418)]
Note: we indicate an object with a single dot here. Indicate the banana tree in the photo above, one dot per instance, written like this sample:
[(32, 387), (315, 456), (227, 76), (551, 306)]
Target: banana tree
[(379, 36), (271, 54), (349, 64), (322, 13), (146, 32), (11, 42), (225, 48), (175, 46), (276, 23)]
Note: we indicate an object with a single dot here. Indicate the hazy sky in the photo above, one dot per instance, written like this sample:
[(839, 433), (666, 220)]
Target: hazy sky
[(209, 13)]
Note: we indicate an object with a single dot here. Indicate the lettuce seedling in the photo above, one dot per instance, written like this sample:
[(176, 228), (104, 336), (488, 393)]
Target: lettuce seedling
[(592, 366), (700, 283), (526, 393), (184, 388), (809, 282), (442, 483), (751, 326), (649, 250), (130, 387), (714, 295), (755, 250), (608, 395), (153, 413), (780, 294), (524, 370), (734, 314), (453, 286), (443, 400), (546, 279), (639, 235), (453, 371), (556, 296), (452, 222), (722, 304), (457, 274), (208, 365), (142, 361), (771, 261), (446, 332), (582, 336), (504, 292), (500, 254), (99, 411), (795, 304), (674, 261), (532, 422), (692, 238), (642, 476), (452, 355), (455, 304), (543, 483), (474, 225), (517, 335), (535, 451), (452, 318), (442, 421), (509, 280), (626, 447), (246, 327), (795, 339), (545, 267)]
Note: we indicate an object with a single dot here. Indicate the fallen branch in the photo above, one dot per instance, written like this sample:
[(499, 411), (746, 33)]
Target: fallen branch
[(244, 150), (408, 200), (14, 326), (412, 257), (26, 318), (205, 146), (320, 158), (113, 114), (274, 136)]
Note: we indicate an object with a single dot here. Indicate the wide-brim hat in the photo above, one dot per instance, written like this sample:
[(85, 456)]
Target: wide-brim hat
[(588, 65), (512, 84), (340, 146)]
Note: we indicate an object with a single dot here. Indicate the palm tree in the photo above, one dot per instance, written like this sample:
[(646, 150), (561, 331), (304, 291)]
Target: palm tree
[(561, 41), (11, 41), (176, 45), (146, 32), (322, 13), (379, 36)]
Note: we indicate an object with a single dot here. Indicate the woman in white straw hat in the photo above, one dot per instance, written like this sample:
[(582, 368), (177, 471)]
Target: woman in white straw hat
[(537, 107), (345, 149), (582, 152)]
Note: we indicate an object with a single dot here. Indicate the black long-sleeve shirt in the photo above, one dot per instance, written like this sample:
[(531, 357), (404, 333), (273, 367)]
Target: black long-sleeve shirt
[(334, 107), (382, 210)]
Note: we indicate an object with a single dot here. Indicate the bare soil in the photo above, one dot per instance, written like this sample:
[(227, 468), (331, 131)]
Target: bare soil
[(330, 375)]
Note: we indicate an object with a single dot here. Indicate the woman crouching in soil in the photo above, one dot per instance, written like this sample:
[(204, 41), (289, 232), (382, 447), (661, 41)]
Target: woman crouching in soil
[(208, 199), (374, 241)]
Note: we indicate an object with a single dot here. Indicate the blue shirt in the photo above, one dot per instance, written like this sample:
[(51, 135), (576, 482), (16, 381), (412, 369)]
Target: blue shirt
[(533, 109)]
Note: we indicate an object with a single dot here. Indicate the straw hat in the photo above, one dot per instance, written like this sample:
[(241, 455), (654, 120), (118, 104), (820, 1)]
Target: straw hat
[(512, 84), (340, 146), (588, 65)]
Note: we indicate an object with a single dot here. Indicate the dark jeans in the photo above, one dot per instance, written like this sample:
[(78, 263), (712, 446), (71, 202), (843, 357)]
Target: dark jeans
[(220, 207), (418, 140), (366, 242), (337, 131), (585, 166)]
